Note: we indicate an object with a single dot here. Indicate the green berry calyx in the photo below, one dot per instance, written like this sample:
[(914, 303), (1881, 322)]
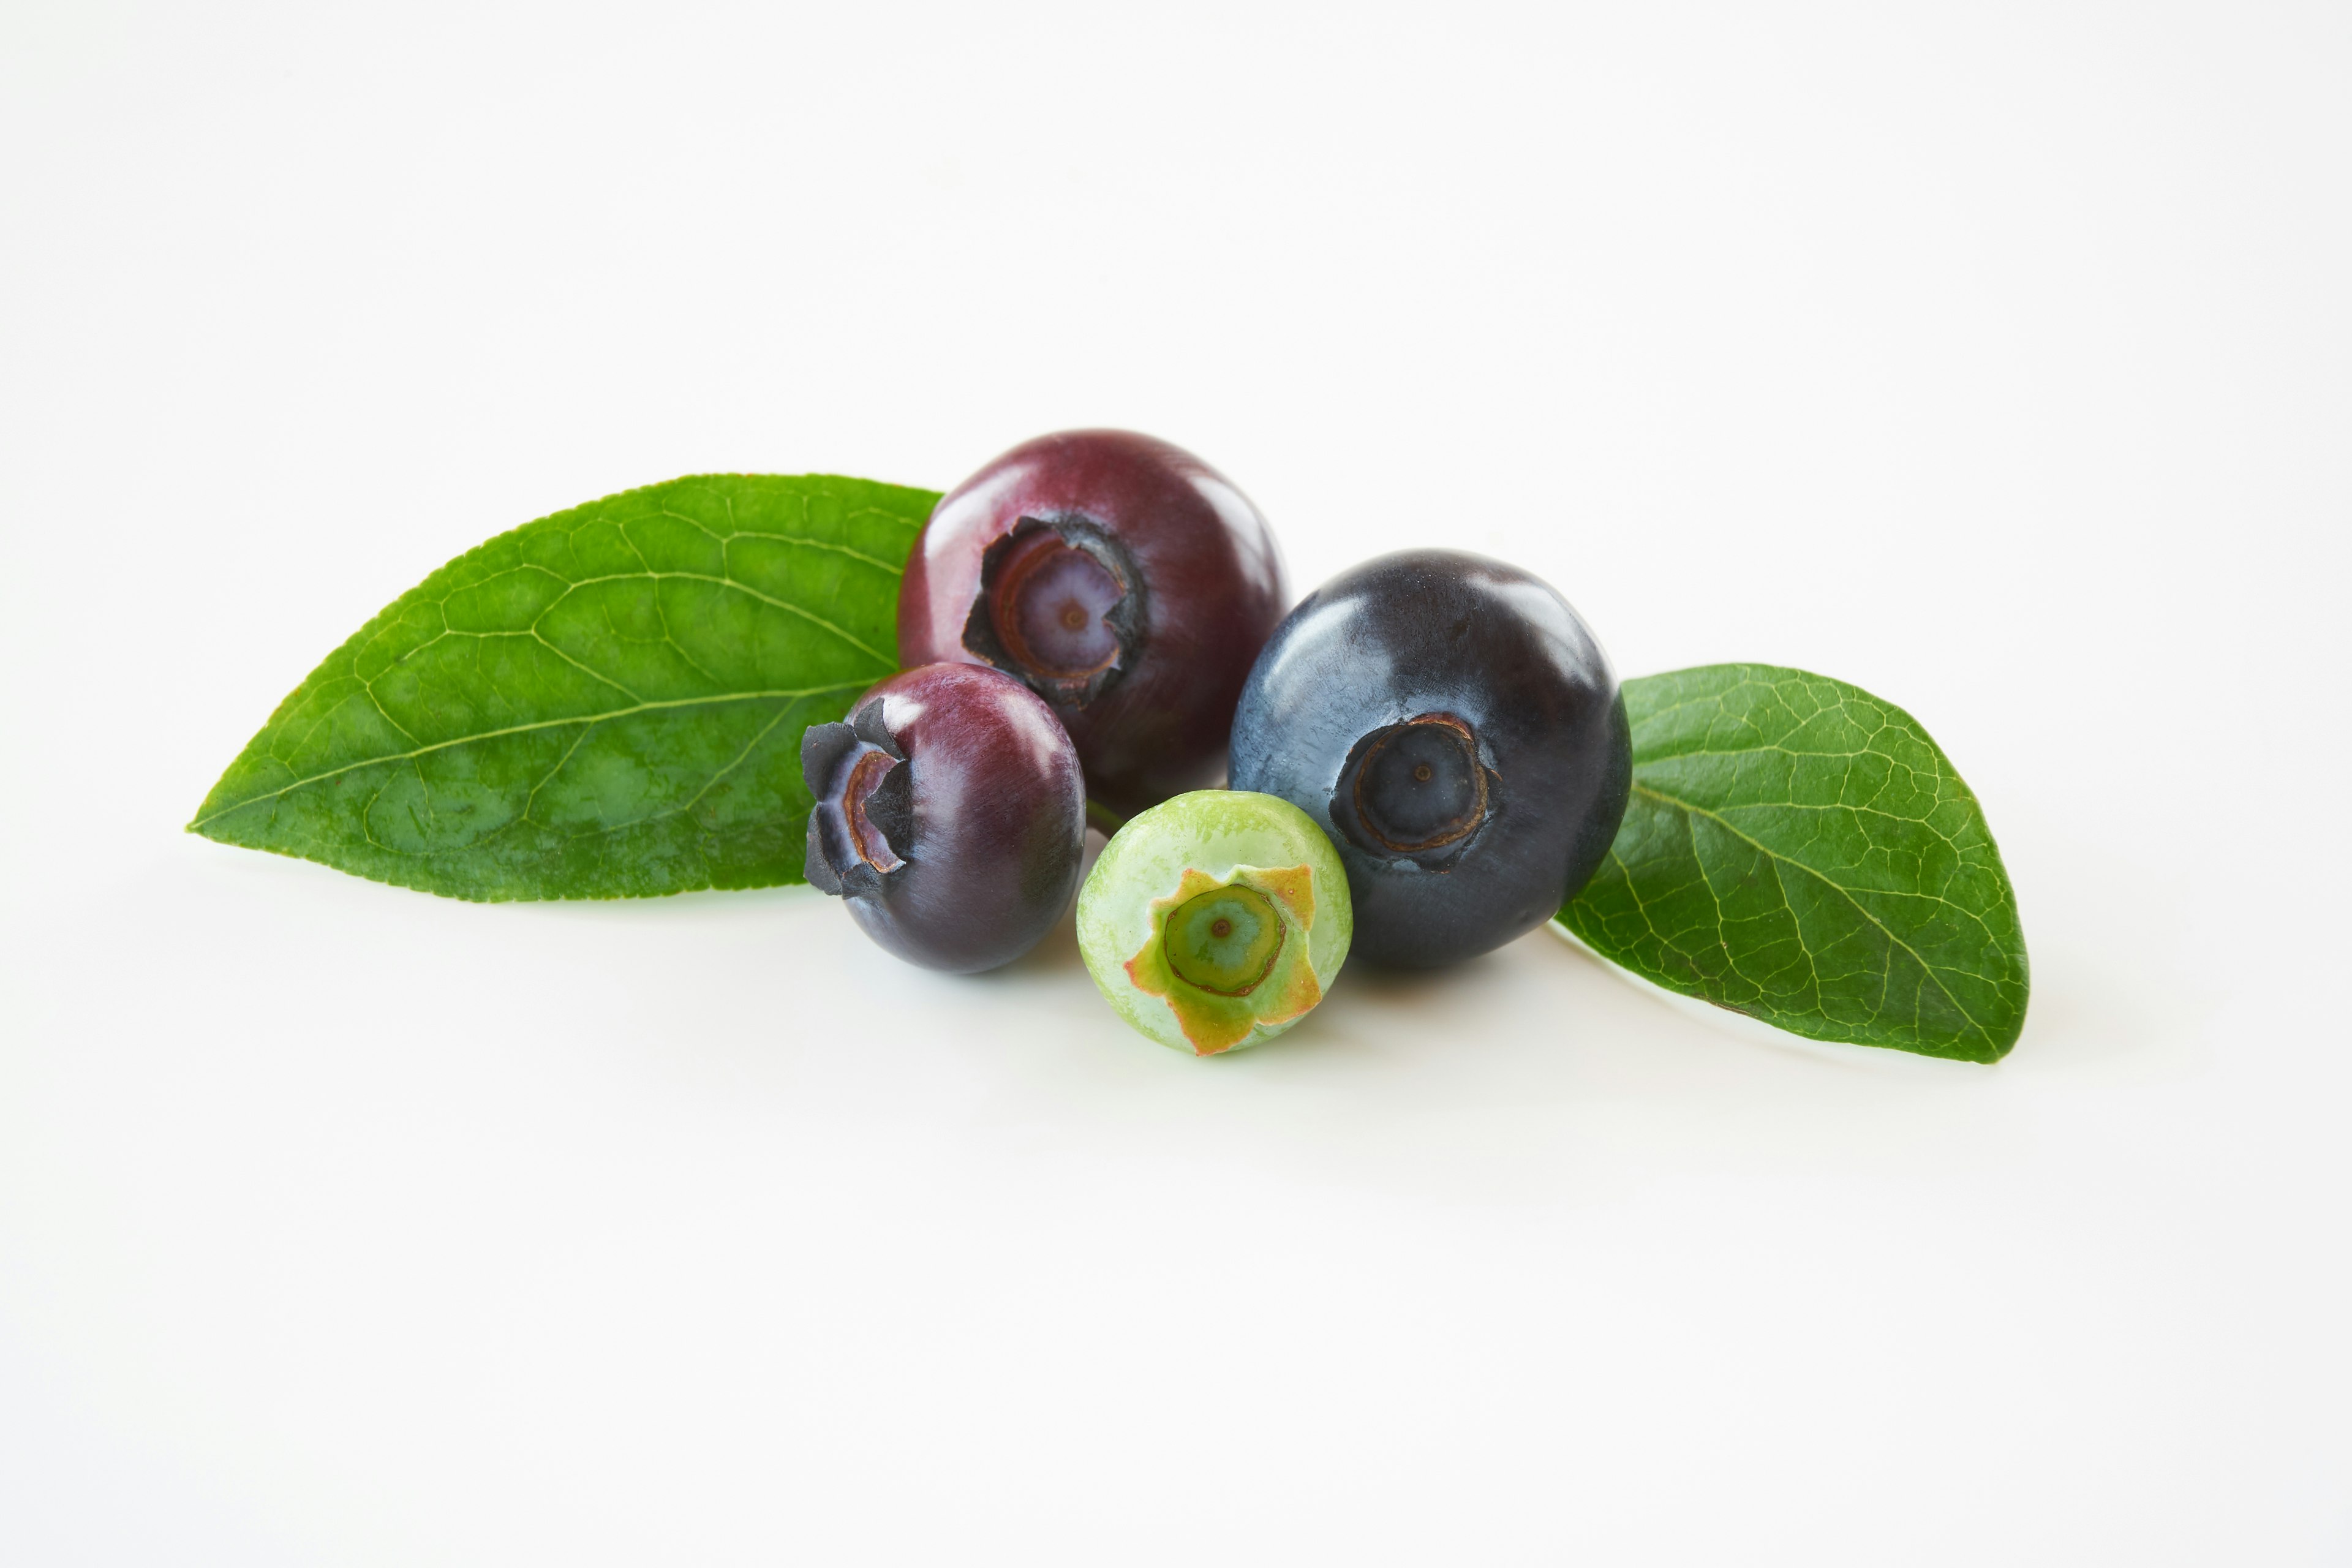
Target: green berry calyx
[(1222, 940), (1218, 951)]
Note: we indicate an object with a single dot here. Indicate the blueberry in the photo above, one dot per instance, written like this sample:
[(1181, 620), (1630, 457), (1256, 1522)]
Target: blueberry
[(950, 816), (1455, 727), (1215, 920), (1123, 580)]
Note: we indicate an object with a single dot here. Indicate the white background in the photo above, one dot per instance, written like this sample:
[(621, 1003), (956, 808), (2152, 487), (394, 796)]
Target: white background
[(1995, 359)]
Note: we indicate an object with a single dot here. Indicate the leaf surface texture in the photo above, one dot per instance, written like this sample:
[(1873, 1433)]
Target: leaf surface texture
[(1800, 851), (604, 703)]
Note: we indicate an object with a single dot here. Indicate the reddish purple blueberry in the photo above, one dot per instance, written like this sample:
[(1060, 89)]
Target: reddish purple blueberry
[(950, 816), (1121, 579)]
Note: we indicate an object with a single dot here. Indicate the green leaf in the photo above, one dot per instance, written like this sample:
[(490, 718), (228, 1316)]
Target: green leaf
[(605, 703), (1801, 852)]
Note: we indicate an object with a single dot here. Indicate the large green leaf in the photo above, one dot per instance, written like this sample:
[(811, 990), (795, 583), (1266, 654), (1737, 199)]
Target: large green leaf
[(604, 703), (1801, 852)]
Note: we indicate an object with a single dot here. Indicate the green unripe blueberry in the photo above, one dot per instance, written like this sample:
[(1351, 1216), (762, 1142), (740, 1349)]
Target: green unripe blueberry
[(1216, 920)]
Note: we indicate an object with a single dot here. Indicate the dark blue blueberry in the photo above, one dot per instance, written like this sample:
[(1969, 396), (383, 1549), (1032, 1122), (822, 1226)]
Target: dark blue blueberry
[(1456, 728)]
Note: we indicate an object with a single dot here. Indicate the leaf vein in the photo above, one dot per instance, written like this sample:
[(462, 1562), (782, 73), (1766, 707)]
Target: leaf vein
[(583, 718), (1777, 859)]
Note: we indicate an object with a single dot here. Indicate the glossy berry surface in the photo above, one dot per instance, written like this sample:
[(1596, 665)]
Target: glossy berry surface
[(1456, 728), (1215, 920), (1121, 579), (950, 816)]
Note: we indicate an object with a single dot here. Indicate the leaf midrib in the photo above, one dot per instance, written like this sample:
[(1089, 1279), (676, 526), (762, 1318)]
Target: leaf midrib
[(1777, 859), (585, 719)]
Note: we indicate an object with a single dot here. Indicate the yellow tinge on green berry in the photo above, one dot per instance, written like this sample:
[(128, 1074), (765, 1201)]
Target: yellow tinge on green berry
[(1215, 920)]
